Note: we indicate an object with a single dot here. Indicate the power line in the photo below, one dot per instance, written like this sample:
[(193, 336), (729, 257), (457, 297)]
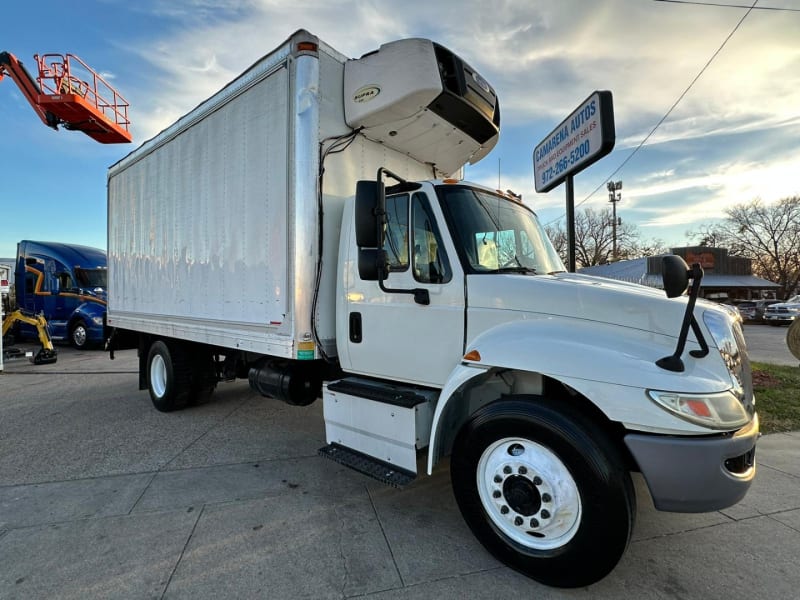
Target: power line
[(667, 114), (723, 5)]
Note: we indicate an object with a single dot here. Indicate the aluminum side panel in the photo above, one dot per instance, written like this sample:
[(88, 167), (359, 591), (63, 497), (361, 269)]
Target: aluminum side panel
[(197, 227)]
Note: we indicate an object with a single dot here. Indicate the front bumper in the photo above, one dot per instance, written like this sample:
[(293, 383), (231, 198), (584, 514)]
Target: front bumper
[(689, 474), (782, 318)]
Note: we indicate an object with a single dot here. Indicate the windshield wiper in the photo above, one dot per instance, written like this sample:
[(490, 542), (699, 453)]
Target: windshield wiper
[(519, 269)]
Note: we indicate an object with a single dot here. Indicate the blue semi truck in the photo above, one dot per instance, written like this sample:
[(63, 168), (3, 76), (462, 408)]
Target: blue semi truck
[(67, 283)]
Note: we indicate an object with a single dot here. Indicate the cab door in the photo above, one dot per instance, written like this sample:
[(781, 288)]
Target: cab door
[(389, 334)]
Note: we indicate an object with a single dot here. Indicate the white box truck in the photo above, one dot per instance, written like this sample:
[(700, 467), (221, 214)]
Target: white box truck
[(299, 229)]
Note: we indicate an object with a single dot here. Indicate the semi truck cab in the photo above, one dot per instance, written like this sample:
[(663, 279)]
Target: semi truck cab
[(67, 283)]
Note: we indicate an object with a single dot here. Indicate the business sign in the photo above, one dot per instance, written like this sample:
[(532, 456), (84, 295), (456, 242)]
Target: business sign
[(582, 138)]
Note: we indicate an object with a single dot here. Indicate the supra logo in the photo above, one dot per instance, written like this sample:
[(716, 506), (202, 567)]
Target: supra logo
[(366, 93)]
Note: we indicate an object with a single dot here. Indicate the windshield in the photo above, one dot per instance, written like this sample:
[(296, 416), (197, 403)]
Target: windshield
[(496, 235), (92, 278)]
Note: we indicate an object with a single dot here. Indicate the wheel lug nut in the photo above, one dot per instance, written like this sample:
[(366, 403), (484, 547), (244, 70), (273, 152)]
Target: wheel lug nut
[(546, 498), (504, 510), (507, 470), (496, 494), (534, 523), (545, 514), (498, 479), (537, 480), (522, 470), (518, 521)]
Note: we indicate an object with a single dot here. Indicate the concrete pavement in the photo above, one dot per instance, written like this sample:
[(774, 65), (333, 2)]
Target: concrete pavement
[(103, 497)]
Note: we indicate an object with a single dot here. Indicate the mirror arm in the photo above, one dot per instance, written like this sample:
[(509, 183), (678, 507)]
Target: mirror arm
[(673, 362), (421, 295)]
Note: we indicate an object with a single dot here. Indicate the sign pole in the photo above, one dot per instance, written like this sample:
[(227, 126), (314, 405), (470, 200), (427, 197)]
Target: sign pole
[(570, 187)]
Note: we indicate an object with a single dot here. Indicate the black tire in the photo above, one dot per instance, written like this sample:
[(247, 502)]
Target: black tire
[(168, 376), (79, 335), (558, 504)]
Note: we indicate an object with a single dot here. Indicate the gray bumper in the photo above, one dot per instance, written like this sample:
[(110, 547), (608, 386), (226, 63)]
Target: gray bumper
[(687, 474)]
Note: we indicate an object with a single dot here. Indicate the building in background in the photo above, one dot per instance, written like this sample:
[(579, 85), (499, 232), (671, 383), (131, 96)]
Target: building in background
[(726, 278)]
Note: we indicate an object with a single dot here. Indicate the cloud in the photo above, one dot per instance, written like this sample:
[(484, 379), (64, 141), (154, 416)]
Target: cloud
[(731, 138)]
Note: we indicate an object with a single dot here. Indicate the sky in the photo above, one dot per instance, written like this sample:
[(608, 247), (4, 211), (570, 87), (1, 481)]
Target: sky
[(733, 136)]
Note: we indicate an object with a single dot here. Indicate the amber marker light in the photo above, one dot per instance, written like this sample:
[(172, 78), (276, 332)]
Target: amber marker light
[(307, 47), (473, 355), (451, 181)]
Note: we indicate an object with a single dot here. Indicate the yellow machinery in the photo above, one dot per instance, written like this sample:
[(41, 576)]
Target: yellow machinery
[(47, 353)]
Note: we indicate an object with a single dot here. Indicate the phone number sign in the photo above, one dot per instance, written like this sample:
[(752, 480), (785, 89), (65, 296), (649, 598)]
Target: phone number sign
[(582, 138)]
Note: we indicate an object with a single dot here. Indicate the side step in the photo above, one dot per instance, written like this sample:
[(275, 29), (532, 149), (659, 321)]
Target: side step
[(372, 467), (381, 421)]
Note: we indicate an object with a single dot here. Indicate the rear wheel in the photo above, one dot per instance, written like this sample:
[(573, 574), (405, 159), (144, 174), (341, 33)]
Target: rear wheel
[(544, 490), (168, 376)]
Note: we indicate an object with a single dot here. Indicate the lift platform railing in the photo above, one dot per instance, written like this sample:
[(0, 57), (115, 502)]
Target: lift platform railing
[(78, 95)]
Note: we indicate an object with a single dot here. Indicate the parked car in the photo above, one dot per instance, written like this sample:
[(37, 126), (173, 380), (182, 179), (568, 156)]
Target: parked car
[(783, 313), (753, 310)]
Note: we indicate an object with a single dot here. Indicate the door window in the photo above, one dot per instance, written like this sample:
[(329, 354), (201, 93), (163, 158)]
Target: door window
[(430, 261), (395, 243)]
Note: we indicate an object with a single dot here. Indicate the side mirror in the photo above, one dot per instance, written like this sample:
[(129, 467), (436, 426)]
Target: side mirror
[(370, 213), (675, 274), (372, 264)]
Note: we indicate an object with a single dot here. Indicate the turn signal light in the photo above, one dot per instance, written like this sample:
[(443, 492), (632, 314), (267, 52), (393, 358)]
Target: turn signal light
[(473, 355)]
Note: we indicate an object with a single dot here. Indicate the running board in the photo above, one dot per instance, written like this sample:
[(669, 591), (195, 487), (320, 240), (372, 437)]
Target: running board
[(372, 467)]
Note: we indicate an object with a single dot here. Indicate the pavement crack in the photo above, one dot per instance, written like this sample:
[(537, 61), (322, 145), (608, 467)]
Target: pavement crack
[(342, 556), (386, 539), (770, 516), (211, 428), (144, 491), (183, 551)]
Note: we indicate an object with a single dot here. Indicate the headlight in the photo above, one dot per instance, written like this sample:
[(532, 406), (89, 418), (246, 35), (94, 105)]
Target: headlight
[(97, 320), (715, 411)]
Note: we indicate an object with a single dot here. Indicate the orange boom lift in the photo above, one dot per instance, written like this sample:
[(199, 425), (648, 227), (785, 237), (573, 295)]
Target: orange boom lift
[(69, 93)]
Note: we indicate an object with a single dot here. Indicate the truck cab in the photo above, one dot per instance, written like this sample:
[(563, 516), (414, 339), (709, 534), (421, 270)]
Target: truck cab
[(519, 368), (67, 283)]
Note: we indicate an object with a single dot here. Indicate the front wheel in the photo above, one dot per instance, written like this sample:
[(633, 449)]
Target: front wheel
[(79, 335), (544, 490)]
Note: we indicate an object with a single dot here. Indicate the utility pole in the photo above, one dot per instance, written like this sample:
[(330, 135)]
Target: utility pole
[(614, 196)]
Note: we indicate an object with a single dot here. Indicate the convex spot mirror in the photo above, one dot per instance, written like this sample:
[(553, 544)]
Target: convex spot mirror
[(675, 274)]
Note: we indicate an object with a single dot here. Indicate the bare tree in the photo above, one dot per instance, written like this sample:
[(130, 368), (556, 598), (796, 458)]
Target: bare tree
[(767, 234), (594, 238)]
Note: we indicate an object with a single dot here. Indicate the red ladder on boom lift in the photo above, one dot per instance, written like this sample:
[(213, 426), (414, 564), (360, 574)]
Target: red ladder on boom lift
[(68, 92)]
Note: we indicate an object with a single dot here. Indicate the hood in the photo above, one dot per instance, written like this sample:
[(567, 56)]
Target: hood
[(574, 296), (793, 302)]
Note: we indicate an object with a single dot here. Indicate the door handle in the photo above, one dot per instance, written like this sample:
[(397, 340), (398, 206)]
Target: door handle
[(355, 327)]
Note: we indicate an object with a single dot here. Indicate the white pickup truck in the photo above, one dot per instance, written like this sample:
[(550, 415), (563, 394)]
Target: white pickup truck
[(783, 313)]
